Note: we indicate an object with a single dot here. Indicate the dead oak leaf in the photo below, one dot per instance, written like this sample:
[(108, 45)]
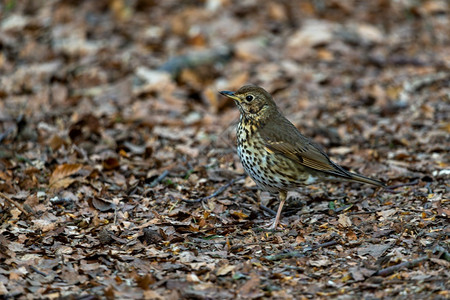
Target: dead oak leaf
[(63, 171), (62, 176)]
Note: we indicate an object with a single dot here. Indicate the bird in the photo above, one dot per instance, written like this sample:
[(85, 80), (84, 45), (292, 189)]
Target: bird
[(275, 154)]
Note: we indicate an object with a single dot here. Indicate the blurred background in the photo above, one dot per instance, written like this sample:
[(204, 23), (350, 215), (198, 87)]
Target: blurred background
[(335, 67), (103, 74)]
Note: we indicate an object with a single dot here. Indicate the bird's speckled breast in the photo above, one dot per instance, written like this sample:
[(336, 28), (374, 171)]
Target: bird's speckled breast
[(271, 172)]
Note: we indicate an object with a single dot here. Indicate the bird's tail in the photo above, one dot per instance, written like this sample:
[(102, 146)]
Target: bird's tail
[(364, 179)]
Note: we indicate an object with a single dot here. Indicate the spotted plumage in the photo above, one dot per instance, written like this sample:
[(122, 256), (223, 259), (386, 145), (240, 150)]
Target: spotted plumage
[(274, 153)]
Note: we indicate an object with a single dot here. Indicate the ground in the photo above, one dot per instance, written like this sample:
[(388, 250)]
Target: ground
[(111, 127)]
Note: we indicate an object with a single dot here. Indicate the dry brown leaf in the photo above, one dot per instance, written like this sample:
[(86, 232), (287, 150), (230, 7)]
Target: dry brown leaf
[(62, 183), (387, 213), (144, 282), (344, 220), (56, 142), (224, 270), (63, 171)]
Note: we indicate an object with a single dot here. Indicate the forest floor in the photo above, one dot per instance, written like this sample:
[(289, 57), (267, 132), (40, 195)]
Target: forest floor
[(110, 119)]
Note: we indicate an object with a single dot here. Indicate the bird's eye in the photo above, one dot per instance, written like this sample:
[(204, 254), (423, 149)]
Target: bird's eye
[(249, 98)]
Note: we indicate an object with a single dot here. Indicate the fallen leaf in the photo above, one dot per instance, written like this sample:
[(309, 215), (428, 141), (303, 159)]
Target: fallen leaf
[(62, 172), (224, 270), (102, 204), (360, 274), (374, 250), (385, 214), (144, 282), (323, 262), (344, 220)]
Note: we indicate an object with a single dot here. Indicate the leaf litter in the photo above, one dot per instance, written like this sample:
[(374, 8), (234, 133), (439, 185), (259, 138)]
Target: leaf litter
[(118, 171)]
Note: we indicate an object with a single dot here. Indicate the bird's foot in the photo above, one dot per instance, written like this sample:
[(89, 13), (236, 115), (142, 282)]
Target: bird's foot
[(272, 226)]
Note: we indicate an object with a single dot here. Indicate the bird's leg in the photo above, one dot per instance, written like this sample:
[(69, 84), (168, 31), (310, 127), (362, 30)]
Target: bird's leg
[(282, 196)]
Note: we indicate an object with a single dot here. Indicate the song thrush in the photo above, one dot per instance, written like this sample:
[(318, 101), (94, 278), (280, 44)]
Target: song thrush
[(275, 154)]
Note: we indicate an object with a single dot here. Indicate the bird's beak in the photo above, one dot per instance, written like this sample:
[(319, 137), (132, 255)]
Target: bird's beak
[(231, 95)]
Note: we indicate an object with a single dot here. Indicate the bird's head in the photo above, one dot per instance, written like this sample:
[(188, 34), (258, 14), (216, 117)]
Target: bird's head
[(254, 102)]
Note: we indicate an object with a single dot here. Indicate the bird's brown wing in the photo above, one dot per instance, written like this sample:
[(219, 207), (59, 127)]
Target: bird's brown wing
[(293, 145)]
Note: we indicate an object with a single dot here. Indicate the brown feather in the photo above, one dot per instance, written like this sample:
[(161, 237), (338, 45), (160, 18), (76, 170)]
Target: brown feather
[(293, 145)]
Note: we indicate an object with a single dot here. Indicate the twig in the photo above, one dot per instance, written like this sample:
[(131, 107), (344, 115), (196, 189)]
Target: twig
[(283, 255), (361, 212), (268, 210), (16, 204), (199, 240), (407, 264), (280, 256), (159, 179), (38, 271), (390, 187), (326, 244), (216, 193), (323, 245)]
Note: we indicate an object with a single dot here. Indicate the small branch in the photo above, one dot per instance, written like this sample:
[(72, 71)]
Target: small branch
[(213, 241), (323, 245), (16, 204), (216, 193), (283, 255), (407, 264), (38, 271), (391, 187), (326, 244), (268, 210), (159, 179), (361, 212)]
